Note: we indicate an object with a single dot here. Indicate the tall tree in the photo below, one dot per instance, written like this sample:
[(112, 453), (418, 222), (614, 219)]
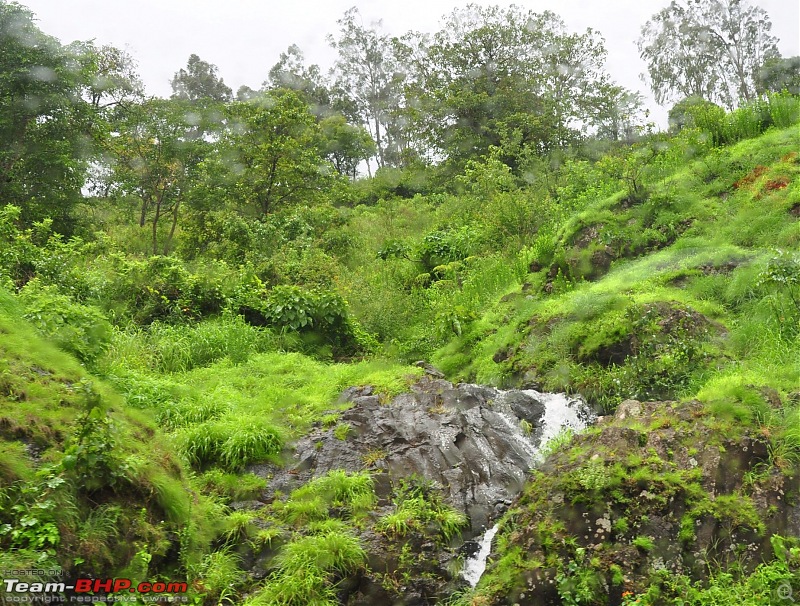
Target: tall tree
[(345, 145), (108, 74), (504, 77), (368, 79), (291, 72), (200, 81), (779, 74), (619, 114), (155, 156), (712, 49), (43, 147), (273, 148)]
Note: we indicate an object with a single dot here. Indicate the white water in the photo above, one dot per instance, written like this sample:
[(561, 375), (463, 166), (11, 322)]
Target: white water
[(474, 566), (560, 412)]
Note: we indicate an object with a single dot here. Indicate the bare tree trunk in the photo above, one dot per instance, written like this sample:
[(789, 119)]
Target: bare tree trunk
[(378, 142), (143, 217), (156, 217), (172, 228)]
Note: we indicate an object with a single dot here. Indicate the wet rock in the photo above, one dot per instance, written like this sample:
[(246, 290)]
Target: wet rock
[(725, 501), (628, 408), (476, 444), (429, 369)]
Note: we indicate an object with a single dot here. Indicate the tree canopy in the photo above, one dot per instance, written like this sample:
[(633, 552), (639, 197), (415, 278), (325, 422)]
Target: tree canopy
[(712, 49), (44, 130), (200, 81)]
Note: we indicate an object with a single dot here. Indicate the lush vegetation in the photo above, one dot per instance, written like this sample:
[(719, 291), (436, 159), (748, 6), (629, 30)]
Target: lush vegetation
[(188, 284)]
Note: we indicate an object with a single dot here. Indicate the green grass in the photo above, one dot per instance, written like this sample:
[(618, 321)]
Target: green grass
[(415, 509), (88, 443)]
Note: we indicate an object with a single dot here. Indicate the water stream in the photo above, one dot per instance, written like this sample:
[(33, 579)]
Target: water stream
[(561, 412), (476, 564)]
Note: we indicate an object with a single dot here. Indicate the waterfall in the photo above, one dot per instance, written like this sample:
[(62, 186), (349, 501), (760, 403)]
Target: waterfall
[(476, 564), (561, 412)]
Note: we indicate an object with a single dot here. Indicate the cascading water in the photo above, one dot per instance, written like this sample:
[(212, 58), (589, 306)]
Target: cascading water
[(560, 412), (476, 564)]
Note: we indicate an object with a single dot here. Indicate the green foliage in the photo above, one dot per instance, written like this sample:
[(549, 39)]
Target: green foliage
[(578, 584), (442, 247), (341, 431), (667, 349), (276, 148), (472, 100), (307, 567), (708, 70), (78, 329), (617, 271), (219, 574), (418, 505), (199, 82), (337, 489), (781, 277), (231, 486), (162, 289), (31, 514), (229, 443), (320, 313), (43, 129), (746, 122), (91, 456), (155, 156)]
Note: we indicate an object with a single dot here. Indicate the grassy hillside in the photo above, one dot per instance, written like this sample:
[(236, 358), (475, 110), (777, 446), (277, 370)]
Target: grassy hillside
[(690, 294), (691, 291), (137, 391), (89, 485)]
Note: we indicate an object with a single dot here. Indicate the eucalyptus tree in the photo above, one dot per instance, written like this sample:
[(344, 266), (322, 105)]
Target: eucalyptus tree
[(292, 73), (200, 81), (713, 49), (367, 84), (503, 77)]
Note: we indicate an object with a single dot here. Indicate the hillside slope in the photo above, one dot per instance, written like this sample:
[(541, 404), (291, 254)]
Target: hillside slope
[(689, 294), (88, 486)]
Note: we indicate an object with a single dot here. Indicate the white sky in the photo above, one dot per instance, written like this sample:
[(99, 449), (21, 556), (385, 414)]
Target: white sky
[(244, 38)]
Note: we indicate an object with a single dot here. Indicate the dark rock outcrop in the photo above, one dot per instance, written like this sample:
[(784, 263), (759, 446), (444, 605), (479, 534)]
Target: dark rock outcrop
[(475, 443), (658, 486)]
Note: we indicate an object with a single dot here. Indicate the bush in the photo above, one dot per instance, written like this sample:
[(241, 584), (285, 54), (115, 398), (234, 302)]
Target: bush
[(162, 289), (445, 246), (230, 444), (317, 313), (77, 329)]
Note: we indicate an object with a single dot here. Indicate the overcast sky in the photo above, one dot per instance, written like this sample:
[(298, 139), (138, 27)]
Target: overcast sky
[(244, 38)]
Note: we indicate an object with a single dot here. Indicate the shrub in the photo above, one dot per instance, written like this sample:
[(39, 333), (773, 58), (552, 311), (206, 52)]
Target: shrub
[(161, 288), (78, 329), (319, 313), (229, 444), (445, 246)]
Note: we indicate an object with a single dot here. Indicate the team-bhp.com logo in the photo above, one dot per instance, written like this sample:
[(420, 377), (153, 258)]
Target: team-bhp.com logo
[(90, 590)]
